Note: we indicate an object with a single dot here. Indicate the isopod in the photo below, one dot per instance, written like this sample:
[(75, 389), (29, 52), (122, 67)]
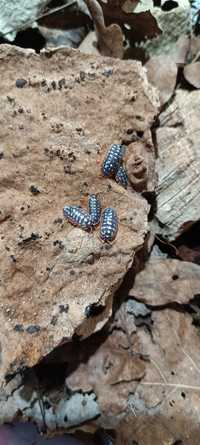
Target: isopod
[(109, 225), (78, 216), (113, 159), (121, 177), (94, 207)]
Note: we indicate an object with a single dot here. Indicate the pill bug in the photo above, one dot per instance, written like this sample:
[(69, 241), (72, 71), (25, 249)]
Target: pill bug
[(113, 159), (121, 177), (109, 225), (78, 216), (94, 207)]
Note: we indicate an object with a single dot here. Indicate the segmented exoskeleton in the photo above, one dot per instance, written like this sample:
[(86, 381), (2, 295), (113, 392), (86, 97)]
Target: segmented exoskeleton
[(121, 177), (109, 225), (113, 159), (94, 207), (78, 217)]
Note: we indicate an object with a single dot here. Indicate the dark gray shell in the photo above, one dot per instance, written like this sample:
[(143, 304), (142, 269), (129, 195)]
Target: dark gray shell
[(113, 159), (94, 207), (109, 225), (122, 177), (78, 216)]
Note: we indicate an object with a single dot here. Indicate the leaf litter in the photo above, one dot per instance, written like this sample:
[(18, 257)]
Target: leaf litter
[(145, 374)]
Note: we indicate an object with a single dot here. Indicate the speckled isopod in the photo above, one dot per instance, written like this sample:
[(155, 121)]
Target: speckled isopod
[(94, 207), (109, 225), (121, 177), (78, 216), (113, 159)]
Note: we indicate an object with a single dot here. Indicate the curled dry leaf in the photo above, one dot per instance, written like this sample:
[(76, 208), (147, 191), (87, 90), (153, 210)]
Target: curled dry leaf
[(110, 39), (165, 281), (162, 73), (143, 24), (192, 74)]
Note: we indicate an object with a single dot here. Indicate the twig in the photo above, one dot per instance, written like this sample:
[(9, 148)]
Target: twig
[(159, 370), (45, 14), (170, 385)]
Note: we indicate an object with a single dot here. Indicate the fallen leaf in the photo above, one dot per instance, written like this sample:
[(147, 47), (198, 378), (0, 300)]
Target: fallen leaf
[(165, 281), (194, 47), (110, 39), (89, 44), (186, 253), (188, 245), (192, 74), (181, 50), (74, 14), (142, 25), (112, 368), (165, 406), (162, 73), (55, 38), (178, 140), (128, 6)]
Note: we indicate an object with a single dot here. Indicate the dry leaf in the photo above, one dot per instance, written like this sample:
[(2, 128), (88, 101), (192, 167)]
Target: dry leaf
[(162, 73), (194, 47), (111, 369), (89, 44), (186, 253), (110, 39), (143, 25), (178, 139), (192, 74), (165, 406), (166, 281), (188, 245), (128, 6), (181, 50)]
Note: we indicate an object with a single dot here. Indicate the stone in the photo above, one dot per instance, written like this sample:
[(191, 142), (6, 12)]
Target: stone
[(58, 143)]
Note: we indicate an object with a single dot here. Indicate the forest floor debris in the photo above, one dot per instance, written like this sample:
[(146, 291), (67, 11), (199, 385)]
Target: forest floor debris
[(127, 360)]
